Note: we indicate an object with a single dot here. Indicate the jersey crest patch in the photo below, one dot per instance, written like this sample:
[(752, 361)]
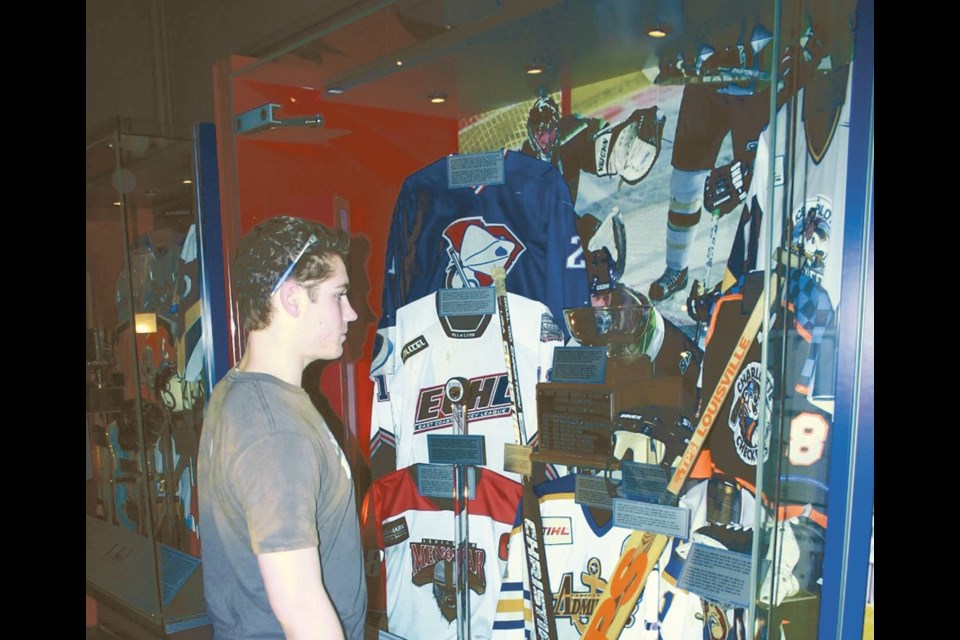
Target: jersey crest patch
[(811, 235), (475, 247), (491, 399), (744, 419), (414, 346), (577, 605), (433, 564)]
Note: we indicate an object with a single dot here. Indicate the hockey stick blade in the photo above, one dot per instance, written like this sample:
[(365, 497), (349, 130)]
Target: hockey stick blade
[(642, 549)]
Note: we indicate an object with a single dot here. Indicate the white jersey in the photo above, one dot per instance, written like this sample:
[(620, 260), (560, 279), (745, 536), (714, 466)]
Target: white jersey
[(433, 349), (818, 177), (417, 536), (581, 555)]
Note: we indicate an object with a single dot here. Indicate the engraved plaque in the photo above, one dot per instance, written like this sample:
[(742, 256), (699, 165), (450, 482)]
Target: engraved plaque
[(575, 417)]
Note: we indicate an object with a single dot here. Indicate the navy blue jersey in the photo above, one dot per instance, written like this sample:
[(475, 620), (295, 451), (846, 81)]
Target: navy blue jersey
[(443, 237)]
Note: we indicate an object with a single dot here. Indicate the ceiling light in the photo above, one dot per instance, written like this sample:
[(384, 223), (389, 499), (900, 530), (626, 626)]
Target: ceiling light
[(187, 181), (117, 203), (659, 31), (335, 91), (438, 98), (399, 63), (534, 69), (292, 99)]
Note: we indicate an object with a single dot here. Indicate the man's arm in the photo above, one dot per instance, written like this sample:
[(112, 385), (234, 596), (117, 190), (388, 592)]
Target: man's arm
[(294, 583)]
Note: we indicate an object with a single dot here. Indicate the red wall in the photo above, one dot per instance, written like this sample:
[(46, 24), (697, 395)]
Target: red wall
[(299, 171)]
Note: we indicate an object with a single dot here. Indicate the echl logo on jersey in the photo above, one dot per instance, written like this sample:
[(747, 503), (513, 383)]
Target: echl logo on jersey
[(745, 413), (490, 399), (475, 248)]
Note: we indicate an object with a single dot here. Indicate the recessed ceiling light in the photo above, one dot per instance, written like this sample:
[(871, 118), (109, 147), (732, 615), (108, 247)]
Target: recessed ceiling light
[(292, 99), (438, 98), (534, 69), (335, 91), (659, 31), (187, 181), (117, 203), (399, 63)]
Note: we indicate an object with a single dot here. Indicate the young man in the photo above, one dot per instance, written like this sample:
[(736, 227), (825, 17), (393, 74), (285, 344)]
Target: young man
[(280, 543)]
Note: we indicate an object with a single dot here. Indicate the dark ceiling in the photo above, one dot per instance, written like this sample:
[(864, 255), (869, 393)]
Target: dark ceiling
[(475, 51)]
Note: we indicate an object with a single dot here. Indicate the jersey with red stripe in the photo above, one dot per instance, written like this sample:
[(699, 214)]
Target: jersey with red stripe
[(417, 537)]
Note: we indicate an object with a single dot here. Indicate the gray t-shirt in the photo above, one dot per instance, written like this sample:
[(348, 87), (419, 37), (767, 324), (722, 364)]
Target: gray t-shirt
[(272, 478)]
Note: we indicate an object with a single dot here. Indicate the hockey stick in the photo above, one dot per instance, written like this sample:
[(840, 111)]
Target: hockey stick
[(509, 354), (642, 550), (714, 227), (544, 625)]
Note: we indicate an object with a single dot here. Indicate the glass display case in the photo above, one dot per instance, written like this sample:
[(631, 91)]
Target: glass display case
[(761, 111), (148, 372)]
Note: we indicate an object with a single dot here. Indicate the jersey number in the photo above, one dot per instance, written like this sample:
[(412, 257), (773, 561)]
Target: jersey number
[(808, 433), (575, 259)]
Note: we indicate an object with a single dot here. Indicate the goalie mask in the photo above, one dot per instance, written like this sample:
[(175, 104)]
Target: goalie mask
[(543, 127)]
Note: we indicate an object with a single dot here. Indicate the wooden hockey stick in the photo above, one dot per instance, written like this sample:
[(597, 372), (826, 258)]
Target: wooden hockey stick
[(642, 549)]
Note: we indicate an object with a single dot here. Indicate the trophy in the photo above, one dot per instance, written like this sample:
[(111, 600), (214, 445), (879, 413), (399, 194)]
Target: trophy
[(647, 357)]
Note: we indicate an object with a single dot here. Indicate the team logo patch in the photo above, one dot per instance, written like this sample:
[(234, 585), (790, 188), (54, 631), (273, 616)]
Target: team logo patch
[(490, 398), (433, 564), (744, 420), (549, 329), (578, 605), (557, 530), (395, 532), (414, 346), (811, 235), (475, 248)]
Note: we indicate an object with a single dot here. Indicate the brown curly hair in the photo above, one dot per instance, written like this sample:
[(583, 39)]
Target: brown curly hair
[(267, 250)]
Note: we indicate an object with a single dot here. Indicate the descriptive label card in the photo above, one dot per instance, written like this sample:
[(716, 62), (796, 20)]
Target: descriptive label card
[(584, 365), (516, 458), (467, 301), (474, 169), (643, 482), (455, 449), (655, 518), (593, 491), (719, 575), (437, 481)]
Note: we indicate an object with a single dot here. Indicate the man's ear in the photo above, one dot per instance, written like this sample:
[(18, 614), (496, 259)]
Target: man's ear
[(289, 297)]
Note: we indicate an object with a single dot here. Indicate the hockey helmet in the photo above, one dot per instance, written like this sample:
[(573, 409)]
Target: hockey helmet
[(543, 127)]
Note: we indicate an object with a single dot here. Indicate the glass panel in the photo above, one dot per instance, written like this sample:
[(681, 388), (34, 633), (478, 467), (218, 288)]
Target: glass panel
[(754, 105), (144, 364)]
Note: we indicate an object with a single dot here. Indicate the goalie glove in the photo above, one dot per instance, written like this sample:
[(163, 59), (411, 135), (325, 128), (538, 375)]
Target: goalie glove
[(726, 187), (630, 148)]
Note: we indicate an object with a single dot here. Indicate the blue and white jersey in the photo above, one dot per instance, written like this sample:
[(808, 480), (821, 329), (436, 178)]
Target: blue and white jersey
[(444, 236)]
